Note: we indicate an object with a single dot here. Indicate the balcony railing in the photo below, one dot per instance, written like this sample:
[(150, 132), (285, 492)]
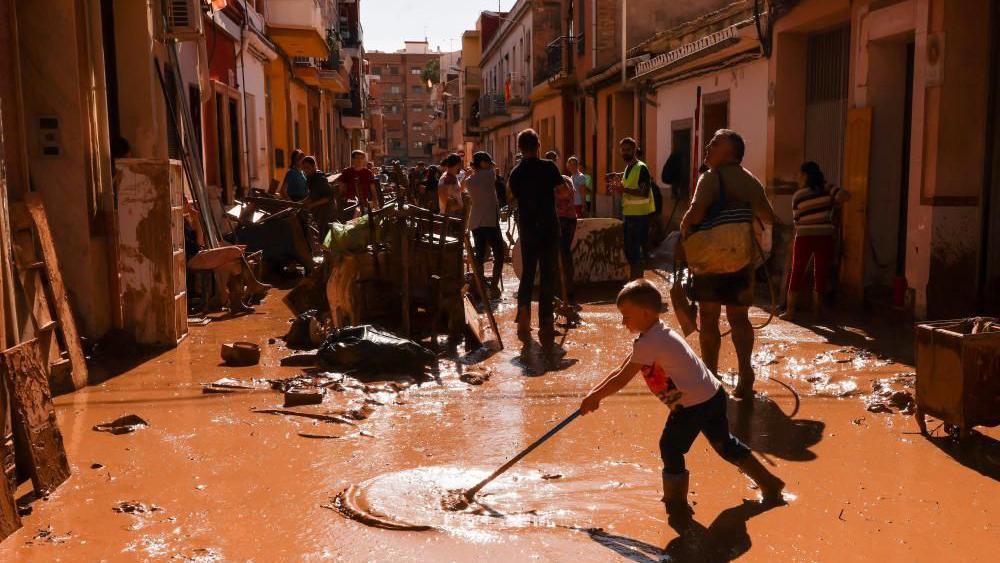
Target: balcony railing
[(557, 59), (492, 104), (519, 91), (473, 78)]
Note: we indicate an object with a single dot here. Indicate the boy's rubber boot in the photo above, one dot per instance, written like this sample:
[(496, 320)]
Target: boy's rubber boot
[(790, 306), (524, 320), (770, 485), (675, 492)]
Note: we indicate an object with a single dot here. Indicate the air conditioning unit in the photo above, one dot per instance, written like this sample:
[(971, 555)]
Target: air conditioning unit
[(184, 19)]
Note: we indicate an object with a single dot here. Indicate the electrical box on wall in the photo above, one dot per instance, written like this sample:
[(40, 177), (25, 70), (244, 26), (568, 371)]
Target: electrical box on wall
[(48, 134)]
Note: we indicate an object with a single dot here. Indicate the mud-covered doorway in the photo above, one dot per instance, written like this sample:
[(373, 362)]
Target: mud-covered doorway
[(891, 98)]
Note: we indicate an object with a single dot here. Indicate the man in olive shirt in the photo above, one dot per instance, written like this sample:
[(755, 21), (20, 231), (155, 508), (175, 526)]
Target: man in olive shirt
[(741, 191)]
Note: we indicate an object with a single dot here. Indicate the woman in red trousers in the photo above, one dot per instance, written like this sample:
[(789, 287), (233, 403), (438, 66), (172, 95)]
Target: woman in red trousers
[(813, 207)]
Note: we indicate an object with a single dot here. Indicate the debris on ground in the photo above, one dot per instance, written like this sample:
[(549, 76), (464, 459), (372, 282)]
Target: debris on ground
[(360, 413), (476, 376), (304, 360), (369, 350), (46, 535), (892, 395), (551, 476), (123, 425), (240, 354), (306, 332), (231, 385), (313, 416), (96, 466), (133, 507), (298, 396)]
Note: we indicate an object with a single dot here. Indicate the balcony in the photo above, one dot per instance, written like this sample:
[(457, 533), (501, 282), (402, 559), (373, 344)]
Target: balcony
[(492, 105), (518, 95), (472, 77), (297, 27), (306, 70), (558, 65)]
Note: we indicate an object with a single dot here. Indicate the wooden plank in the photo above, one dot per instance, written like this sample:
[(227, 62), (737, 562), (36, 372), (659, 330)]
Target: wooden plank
[(857, 157), (10, 520), (63, 311), (33, 416)]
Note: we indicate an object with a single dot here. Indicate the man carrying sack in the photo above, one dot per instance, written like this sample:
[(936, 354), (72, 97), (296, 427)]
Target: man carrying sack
[(719, 246)]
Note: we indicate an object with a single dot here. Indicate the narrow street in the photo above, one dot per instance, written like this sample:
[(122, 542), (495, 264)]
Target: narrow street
[(231, 484)]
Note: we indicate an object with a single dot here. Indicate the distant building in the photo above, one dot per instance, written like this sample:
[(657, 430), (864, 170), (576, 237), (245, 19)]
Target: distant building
[(403, 97)]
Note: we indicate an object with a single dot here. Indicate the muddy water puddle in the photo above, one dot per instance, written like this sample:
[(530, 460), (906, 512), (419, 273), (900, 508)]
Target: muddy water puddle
[(530, 497)]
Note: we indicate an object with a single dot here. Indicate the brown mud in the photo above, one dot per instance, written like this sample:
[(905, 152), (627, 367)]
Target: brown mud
[(235, 484)]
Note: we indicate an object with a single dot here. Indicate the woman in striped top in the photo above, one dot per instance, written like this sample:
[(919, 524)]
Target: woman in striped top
[(813, 207)]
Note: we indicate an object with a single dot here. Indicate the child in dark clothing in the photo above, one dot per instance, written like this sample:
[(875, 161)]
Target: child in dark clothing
[(697, 402)]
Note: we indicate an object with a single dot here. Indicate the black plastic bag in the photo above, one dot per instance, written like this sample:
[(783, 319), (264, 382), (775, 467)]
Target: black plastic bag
[(368, 350)]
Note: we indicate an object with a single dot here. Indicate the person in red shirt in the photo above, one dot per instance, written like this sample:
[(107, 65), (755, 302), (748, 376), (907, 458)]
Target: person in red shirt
[(357, 182)]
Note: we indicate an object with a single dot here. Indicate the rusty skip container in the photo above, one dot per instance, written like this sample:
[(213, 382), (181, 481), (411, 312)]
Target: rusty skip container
[(958, 373)]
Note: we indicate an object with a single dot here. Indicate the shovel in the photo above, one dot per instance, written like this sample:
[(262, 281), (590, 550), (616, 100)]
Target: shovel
[(460, 500)]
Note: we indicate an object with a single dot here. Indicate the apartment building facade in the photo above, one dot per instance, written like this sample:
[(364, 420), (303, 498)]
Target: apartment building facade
[(403, 98)]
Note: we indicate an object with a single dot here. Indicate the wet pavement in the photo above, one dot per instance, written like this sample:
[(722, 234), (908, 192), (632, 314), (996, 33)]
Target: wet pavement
[(210, 479)]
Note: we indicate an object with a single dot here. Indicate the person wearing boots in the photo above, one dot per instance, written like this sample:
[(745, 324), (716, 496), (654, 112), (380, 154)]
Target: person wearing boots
[(533, 183), (725, 186), (636, 189), (696, 399)]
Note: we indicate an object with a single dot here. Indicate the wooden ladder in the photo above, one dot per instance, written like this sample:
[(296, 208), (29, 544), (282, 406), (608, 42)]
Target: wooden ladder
[(49, 318)]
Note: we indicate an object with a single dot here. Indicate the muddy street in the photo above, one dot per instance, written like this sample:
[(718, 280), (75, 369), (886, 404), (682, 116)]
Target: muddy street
[(207, 478)]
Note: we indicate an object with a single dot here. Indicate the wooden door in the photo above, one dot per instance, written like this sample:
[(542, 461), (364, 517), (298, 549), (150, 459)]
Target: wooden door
[(857, 156)]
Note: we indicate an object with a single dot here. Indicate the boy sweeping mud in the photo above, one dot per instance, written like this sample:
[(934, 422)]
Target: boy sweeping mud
[(696, 400)]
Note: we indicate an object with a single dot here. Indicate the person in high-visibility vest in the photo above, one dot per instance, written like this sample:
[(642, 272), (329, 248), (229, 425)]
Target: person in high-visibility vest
[(636, 189)]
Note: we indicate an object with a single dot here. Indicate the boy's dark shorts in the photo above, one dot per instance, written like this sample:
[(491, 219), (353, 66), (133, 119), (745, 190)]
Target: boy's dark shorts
[(685, 423)]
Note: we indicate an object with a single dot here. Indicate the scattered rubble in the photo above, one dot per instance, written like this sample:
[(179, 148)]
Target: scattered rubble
[(240, 354), (306, 332), (123, 425), (46, 535), (297, 396), (892, 395), (476, 376), (134, 507)]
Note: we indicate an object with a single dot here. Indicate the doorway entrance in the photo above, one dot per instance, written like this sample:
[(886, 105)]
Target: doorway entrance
[(891, 97)]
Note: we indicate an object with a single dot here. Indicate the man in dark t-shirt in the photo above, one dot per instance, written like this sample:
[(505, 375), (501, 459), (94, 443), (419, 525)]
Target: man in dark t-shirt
[(533, 183), (320, 200)]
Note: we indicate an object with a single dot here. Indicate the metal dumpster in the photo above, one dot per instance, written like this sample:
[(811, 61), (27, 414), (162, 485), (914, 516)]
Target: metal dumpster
[(958, 373)]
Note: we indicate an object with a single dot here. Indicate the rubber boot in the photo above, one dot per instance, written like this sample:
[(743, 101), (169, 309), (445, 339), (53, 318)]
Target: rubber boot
[(675, 492), (769, 484), (524, 320), (236, 304), (790, 306)]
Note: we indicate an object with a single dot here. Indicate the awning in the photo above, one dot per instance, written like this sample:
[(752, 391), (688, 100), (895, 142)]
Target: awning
[(307, 74), (299, 42)]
